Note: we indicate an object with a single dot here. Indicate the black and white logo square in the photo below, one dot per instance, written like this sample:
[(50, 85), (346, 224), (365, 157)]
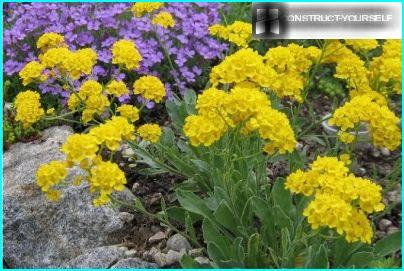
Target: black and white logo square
[(267, 20)]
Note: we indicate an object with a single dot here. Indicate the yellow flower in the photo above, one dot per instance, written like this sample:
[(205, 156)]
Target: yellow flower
[(28, 108), (80, 62), (79, 147), (164, 19), (125, 52), (117, 88), (341, 199), (274, 126), (346, 137), (106, 177), (90, 88), (112, 132), (238, 33), (49, 40), (31, 72), (51, 174), (55, 57), (139, 9), (244, 101), (345, 158), (246, 65), (383, 124), (73, 101), (150, 132), (363, 44), (202, 130), (50, 111), (129, 111), (150, 87)]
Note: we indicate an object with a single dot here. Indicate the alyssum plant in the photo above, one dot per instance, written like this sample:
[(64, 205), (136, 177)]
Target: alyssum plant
[(221, 144)]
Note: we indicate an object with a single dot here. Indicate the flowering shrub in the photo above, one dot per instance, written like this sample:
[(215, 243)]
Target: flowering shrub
[(222, 140)]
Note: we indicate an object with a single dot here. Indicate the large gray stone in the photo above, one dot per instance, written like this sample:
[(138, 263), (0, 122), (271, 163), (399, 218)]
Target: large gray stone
[(39, 233), (133, 263), (100, 257)]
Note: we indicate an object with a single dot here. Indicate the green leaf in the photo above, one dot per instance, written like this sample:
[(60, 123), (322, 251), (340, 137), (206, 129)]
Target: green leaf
[(192, 203), (168, 137), (360, 259), (190, 96), (252, 260), (389, 244), (341, 252), (224, 216), (189, 226), (319, 259), (282, 197), (151, 171)]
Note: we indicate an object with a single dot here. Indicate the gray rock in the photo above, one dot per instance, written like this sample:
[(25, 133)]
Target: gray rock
[(100, 257), (376, 153), (42, 234), (177, 243), (157, 237), (133, 263), (395, 196), (7, 110), (384, 224)]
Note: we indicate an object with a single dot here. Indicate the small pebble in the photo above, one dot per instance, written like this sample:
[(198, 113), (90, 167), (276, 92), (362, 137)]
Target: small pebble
[(385, 151), (157, 237), (135, 187), (376, 153), (202, 260), (195, 252), (384, 224), (132, 165), (177, 243)]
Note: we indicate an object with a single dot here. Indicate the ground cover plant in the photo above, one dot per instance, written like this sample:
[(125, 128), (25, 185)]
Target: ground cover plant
[(233, 109)]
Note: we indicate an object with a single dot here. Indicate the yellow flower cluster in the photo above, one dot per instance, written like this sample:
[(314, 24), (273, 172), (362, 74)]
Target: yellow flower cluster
[(80, 62), (49, 175), (363, 45), (238, 32), (282, 69), (245, 104), (246, 65), (149, 132), (150, 87), (352, 68), (139, 9), (28, 108), (129, 111), (341, 200), (125, 52), (291, 63), (383, 124), (90, 93), (164, 19), (49, 40), (386, 69), (113, 132), (79, 148), (117, 88), (105, 178), (31, 72), (85, 150)]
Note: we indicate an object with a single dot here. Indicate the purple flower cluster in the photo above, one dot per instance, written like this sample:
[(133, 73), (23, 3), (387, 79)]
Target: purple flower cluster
[(99, 25)]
